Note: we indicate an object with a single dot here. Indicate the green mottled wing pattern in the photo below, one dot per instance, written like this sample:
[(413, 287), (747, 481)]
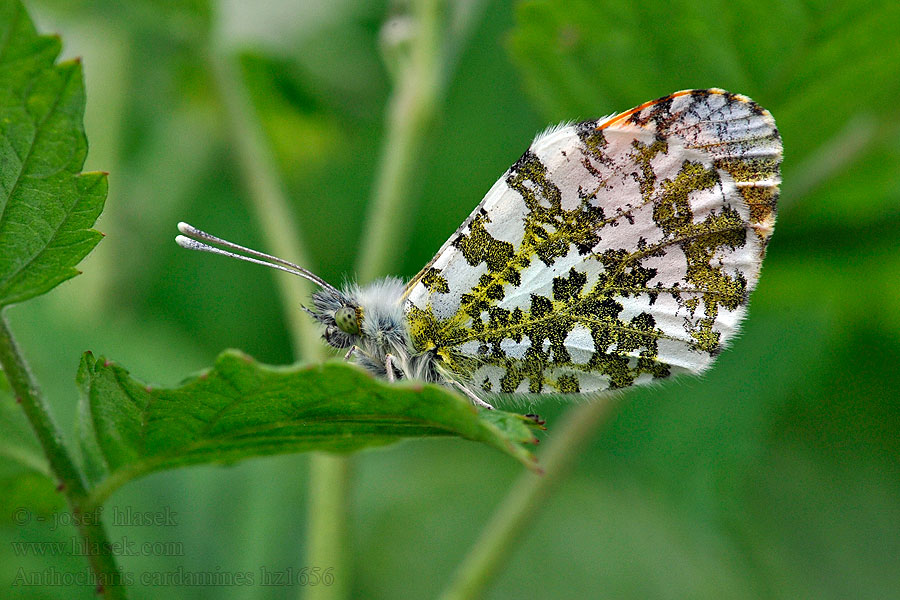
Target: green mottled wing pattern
[(612, 253)]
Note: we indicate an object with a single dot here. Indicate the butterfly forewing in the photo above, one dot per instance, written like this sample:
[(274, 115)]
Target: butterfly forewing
[(613, 252)]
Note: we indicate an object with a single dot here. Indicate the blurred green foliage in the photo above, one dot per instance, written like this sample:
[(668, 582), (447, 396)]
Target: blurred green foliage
[(774, 476)]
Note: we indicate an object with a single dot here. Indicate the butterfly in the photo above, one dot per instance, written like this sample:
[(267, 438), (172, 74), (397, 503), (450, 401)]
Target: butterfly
[(613, 253)]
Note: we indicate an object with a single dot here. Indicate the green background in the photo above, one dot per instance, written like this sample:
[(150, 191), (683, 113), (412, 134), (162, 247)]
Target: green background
[(774, 476)]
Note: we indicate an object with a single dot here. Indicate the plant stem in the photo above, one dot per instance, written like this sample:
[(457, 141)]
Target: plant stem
[(836, 154), (411, 111), (268, 200), (526, 497), (329, 489), (71, 482), (328, 538)]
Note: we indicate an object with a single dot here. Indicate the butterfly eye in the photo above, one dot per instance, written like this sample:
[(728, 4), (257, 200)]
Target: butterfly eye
[(347, 320)]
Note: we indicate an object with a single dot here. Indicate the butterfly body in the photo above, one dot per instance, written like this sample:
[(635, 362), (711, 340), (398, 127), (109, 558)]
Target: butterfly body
[(379, 331), (614, 252)]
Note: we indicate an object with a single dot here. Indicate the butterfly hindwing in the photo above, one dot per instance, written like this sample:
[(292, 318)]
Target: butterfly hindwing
[(613, 252)]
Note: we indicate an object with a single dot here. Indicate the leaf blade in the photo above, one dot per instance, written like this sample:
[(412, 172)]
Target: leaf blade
[(240, 408), (47, 206)]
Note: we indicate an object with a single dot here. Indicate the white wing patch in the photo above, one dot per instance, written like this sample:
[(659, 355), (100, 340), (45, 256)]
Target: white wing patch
[(613, 253)]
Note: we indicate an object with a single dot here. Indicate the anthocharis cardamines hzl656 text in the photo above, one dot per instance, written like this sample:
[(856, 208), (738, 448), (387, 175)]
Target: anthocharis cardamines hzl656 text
[(613, 253)]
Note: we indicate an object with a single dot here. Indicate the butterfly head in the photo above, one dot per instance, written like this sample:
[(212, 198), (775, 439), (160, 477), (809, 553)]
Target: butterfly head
[(340, 315), (370, 317)]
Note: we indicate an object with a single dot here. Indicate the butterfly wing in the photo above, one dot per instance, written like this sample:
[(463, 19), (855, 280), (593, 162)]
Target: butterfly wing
[(612, 253)]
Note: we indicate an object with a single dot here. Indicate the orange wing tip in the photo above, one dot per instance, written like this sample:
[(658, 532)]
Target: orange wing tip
[(619, 118)]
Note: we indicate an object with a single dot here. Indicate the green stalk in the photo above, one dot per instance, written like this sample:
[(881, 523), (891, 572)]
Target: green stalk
[(498, 539), (411, 111), (328, 539), (268, 201), (71, 482), (329, 489)]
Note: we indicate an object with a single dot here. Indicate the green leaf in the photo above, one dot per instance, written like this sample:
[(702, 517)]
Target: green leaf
[(47, 206), (241, 408)]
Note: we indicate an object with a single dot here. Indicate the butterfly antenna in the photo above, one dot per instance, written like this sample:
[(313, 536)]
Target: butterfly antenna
[(191, 241)]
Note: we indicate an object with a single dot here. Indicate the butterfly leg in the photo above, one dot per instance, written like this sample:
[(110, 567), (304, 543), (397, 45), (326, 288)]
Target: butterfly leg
[(350, 352), (389, 366), (471, 395)]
